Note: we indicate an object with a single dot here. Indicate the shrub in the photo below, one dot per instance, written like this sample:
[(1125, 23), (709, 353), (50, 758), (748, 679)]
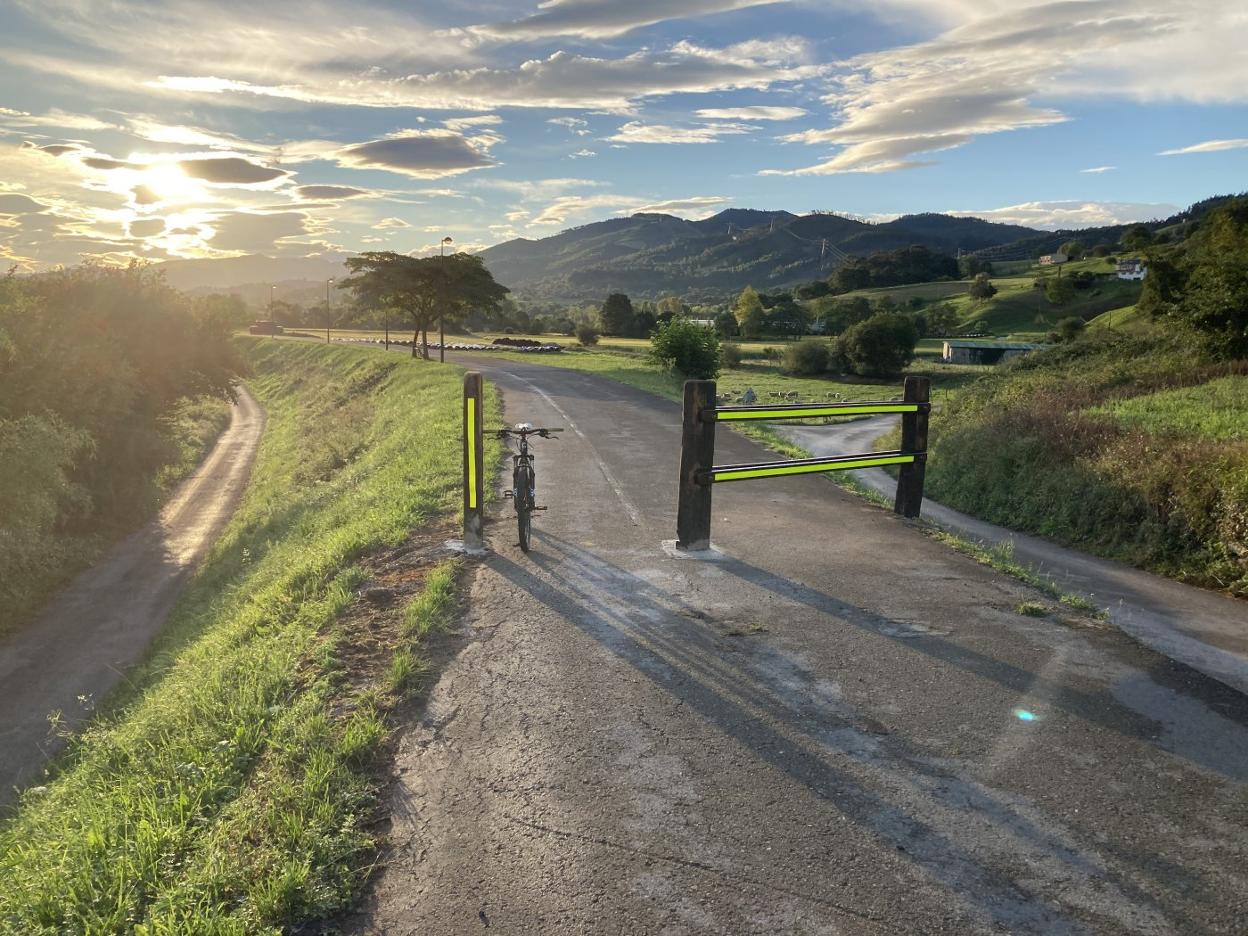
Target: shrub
[(687, 347), (730, 354), (1059, 291), (586, 334), (806, 358), (879, 347), (982, 288)]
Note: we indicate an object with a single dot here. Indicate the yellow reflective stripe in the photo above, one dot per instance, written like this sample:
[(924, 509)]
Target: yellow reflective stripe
[(820, 411), (472, 453), (742, 474)]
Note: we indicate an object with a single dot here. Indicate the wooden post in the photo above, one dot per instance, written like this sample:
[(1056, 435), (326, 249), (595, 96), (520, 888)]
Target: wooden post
[(474, 462), (697, 454), (913, 439)]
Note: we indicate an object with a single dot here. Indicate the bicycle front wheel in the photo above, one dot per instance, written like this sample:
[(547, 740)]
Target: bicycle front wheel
[(522, 494)]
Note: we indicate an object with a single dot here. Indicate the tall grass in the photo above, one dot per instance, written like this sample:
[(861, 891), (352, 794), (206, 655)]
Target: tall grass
[(229, 792), (1079, 444)]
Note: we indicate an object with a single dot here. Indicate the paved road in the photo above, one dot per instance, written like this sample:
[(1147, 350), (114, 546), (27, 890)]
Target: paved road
[(839, 727), (85, 639), (1203, 629)]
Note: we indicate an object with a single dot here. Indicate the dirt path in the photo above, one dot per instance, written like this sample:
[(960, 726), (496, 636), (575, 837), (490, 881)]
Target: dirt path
[(839, 727), (82, 643), (1203, 629)]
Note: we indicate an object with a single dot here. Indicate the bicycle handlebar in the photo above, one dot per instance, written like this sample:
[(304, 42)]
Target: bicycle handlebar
[(544, 433)]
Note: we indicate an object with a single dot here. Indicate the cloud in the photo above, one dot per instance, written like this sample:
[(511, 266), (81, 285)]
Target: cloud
[(637, 132), (230, 170), (249, 232), (424, 154), (596, 19), (14, 203), (190, 136), (562, 80), (565, 206), (147, 227), (694, 208), (459, 124), (314, 192), (1209, 146), (582, 154), (985, 75), (759, 112), (1071, 215), (387, 223), (573, 124), (55, 118), (1097, 170)]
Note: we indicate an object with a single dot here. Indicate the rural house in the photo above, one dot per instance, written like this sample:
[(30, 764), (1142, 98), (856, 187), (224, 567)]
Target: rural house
[(1131, 270), (984, 352)]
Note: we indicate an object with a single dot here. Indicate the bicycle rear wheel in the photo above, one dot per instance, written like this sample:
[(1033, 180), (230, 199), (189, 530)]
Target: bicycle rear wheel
[(522, 495)]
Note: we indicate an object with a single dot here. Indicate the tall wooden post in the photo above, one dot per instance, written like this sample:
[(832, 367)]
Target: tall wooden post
[(913, 439), (474, 462), (697, 454)]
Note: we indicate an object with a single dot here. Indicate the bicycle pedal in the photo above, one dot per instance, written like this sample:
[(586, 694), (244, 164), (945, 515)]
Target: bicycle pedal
[(541, 508)]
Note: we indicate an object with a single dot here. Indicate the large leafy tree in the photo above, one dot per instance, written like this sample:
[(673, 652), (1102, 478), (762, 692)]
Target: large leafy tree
[(1206, 285), (618, 317), (423, 288), (749, 312)]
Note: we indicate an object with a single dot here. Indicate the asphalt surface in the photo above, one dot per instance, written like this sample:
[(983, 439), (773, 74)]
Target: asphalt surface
[(81, 644), (837, 726), (1203, 629)]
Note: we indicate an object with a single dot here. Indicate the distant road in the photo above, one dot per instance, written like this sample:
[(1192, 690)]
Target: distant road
[(86, 638), (1205, 630)]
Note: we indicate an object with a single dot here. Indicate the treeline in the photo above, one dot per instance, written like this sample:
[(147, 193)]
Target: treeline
[(97, 366), (916, 264)]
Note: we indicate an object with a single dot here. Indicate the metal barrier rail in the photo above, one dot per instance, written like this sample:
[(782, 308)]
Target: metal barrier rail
[(698, 473)]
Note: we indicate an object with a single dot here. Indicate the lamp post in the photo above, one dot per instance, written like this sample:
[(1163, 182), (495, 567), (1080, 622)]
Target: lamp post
[(328, 320), (442, 315)]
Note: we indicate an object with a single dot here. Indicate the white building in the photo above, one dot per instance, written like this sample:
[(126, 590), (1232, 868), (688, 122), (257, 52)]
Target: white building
[(1132, 270), (1050, 259)]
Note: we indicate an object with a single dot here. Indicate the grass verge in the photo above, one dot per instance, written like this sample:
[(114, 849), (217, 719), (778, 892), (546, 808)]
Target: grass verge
[(231, 790)]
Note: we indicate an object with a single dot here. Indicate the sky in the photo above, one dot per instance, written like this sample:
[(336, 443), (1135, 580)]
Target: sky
[(186, 129)]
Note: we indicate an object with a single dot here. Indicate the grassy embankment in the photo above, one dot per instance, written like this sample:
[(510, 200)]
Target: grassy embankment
[(1125, 445), (230, 790)]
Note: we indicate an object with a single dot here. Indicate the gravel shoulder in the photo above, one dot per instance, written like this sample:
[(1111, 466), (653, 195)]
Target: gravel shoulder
[(839, 726), (82, 643)]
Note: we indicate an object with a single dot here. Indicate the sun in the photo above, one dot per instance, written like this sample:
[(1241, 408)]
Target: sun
[(169, 182)]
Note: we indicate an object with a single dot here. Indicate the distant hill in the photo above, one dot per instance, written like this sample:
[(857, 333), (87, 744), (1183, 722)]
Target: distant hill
[(650, 255)]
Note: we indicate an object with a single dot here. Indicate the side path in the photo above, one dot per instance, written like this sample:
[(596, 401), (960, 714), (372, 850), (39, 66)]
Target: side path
[(840, 727), (1205, 630), (81, 644)]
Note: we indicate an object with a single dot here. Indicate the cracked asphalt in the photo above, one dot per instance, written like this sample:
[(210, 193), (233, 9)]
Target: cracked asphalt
[(838, 726)]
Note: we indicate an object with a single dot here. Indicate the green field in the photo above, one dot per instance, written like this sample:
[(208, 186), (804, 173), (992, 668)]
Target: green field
[(1217, 410), (231, 790)]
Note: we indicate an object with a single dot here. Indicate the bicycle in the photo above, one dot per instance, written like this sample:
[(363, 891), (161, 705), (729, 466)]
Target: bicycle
[(523, 491)]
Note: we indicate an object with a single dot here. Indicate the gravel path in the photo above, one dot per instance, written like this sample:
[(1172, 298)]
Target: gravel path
[(80, 646)]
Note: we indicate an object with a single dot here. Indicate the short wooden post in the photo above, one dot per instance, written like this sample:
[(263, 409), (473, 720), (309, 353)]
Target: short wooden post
[(913, 439), (697, 454), (474, 462)]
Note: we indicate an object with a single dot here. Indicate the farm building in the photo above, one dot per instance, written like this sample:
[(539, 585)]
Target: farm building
[(1050, 259), (984, 352), (1132, 270)]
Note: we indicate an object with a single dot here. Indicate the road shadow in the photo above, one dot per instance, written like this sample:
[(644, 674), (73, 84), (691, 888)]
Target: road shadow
[(893, 788)]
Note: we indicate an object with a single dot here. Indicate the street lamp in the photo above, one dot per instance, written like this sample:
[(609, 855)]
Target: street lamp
[(442, 315), (328, 320)]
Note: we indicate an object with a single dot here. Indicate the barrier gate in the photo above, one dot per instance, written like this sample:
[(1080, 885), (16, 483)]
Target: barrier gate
[(699, 473)]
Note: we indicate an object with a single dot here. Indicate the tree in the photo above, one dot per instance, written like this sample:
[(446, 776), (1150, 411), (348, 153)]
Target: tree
[(1205, 286), (587, 334), (1137, 237), (970, 266), (726, 324), (749, 313), (981, 287), (422, 288), (881, 346), (685, 346), (1073, 249), (672, 305), (787, 317), (618, 317), (1059, 291), (806, 358), (1069, 328), (942, 320)]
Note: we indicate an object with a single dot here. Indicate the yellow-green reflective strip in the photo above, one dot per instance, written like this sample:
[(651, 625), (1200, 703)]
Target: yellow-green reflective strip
[(472, 453), (742, 474), (820, 411)]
